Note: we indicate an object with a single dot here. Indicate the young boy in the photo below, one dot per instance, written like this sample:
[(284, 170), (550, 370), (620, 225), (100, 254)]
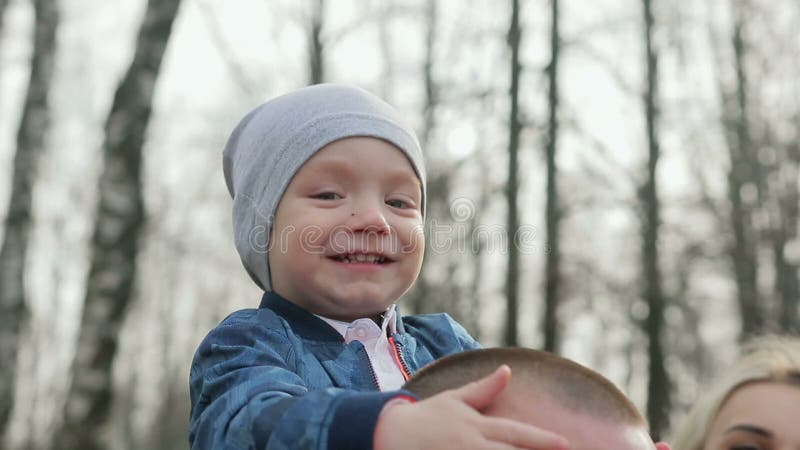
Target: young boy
[(328, 190)]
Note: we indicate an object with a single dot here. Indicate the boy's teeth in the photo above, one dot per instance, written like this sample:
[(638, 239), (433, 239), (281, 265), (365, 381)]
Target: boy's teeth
[(360, 257)]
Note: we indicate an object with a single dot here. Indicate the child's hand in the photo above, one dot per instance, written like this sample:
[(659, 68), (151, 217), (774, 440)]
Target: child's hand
[(452, 419)]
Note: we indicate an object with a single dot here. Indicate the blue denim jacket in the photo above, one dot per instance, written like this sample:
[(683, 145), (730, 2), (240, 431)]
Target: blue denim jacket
[(278, 377)]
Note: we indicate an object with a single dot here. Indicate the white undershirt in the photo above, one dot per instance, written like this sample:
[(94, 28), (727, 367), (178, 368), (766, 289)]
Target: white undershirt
[(375, 340)]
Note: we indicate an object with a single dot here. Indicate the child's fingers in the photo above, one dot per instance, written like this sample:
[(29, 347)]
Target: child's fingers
[(479, 394), (521, 435), (500, 446)]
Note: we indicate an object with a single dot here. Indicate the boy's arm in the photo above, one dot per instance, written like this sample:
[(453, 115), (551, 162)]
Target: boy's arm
[(245, 395)]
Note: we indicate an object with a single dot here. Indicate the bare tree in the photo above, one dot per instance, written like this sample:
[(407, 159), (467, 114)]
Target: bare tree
[(658, 389), (512, 222), (115, 241), (785, 216), (237, 71), (477, 244), (742, 182), (315, 45), (3, 7), (552, 277), (421, 297), (385, 41), (30, 145), (431, 88)]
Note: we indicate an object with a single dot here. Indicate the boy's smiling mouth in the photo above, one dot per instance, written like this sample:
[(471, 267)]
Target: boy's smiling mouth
[(361, 258)]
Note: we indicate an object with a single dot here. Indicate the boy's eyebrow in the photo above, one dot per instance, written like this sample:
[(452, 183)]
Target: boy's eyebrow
[(401, 175), (392, 174), (336, 165), (748, 428)]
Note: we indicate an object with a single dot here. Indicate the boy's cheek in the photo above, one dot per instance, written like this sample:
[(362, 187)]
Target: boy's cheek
[(312, 238), (415, 242)]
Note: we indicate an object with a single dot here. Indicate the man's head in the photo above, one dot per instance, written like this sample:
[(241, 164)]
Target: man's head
[(546, 391), (273, 143)]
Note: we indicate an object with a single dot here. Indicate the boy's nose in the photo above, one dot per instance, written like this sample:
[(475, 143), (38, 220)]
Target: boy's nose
[(369, 218)]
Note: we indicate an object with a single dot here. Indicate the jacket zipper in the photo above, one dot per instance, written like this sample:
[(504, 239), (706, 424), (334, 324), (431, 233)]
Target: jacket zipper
[(372, 369), (398, 358)]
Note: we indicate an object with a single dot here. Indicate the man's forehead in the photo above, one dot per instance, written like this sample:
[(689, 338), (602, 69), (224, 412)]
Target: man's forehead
[(584, 431)]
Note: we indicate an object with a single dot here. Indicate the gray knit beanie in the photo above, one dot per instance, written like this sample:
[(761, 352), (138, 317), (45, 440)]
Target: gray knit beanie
[(273, 141)]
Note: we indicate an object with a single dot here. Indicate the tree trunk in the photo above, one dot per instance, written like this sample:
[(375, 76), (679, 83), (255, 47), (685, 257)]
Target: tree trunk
[(3, 5), (475, 245), (315, 44), (741, 178), (437, 190), (30, 145), (431, 89), (552, 211), (658, 400), (115, 242), (387, 77), (787, 201), (512, 221)]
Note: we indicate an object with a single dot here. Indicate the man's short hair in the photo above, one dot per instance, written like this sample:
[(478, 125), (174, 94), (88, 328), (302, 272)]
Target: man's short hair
[(575, 387)]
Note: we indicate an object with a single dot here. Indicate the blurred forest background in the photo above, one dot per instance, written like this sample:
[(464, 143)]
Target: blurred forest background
[(614, 180)]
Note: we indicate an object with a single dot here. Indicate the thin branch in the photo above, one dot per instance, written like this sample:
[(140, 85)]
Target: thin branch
[(236, 70)]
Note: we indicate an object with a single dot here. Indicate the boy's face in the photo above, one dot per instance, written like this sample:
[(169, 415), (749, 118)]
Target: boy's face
[(347, 238)]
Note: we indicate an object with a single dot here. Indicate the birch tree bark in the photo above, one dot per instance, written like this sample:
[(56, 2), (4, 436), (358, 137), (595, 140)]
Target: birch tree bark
[(30, 145), (115, 241)]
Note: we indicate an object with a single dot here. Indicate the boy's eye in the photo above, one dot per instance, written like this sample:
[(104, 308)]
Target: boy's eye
[(746, 444), (398, 203), (327, 196)]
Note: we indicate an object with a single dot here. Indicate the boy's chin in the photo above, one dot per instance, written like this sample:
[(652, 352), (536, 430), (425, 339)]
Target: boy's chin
[(372, 310), (349, 316), (362, 301)]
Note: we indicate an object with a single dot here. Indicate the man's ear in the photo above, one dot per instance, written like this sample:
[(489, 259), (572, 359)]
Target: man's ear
[(662, 446)]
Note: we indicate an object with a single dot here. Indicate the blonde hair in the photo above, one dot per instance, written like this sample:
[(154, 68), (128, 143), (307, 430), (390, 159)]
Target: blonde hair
[(572, 385), (765, 359)]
